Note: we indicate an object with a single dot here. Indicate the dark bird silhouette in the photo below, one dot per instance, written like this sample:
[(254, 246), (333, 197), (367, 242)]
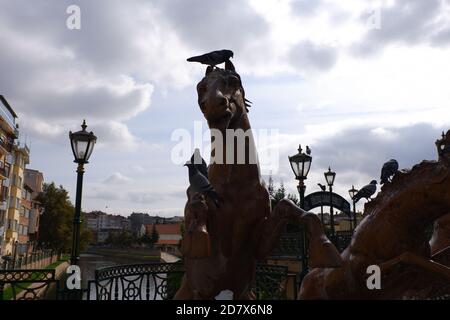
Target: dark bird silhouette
[(199, 183), (199, 163), (389, 169), (214, 58), (367, 191), (322, 186), (308, 151)]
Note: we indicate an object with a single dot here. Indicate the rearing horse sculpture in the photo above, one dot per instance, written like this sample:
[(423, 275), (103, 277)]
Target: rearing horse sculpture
[(222, 245), (394, 236)]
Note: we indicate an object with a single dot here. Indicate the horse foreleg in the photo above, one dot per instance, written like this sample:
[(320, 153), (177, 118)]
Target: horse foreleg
[(322, 253), (418, 261), (185, 292), (269, 233)]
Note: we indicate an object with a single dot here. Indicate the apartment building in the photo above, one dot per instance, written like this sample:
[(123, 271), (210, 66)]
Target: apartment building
[(14, 244), (8, 133), (102, 225), (34, 179)]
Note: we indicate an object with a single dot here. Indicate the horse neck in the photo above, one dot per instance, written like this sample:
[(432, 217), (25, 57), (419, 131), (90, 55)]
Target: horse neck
[(414, 200), (236, 172)]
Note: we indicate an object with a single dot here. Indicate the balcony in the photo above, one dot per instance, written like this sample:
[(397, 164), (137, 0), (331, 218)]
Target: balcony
[(4, 173), (8, 115), (5, 145), (10, 234)]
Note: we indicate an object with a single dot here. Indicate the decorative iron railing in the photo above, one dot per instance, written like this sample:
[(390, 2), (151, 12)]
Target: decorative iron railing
[(26, 284), (127, 282)]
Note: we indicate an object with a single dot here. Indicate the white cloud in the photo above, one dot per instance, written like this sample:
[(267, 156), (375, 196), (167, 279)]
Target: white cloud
[(117, 178), (125, 72)]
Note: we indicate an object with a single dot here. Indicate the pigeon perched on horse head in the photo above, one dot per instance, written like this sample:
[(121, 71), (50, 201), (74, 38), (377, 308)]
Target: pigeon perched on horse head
[(214, 58), (199, 182), (389, 169), (367, 191)]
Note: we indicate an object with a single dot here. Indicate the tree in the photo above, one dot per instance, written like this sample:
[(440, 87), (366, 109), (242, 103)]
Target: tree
[(145, 239), (277, 196), (56, 223), (271, 187), (154, 237)]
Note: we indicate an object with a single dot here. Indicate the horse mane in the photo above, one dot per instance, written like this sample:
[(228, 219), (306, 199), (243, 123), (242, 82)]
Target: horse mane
[(406, 179)]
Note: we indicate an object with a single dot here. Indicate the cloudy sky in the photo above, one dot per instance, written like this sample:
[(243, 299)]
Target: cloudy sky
[(360, 82)]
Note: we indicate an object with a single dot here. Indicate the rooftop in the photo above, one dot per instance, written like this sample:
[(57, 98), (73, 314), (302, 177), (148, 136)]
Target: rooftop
[(172, 228)]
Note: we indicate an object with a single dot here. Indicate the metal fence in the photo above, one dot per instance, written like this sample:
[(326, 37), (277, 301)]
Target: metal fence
[(127, 282), (31, 260)]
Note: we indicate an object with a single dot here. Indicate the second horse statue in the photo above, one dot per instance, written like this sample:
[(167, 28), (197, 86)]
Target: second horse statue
[(222, 245)]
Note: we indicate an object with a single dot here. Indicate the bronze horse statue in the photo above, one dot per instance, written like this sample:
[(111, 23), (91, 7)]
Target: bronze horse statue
[(222, 245), (395, 236)]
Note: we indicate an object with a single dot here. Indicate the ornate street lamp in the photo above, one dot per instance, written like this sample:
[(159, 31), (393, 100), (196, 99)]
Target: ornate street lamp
[(352, 193), (329, 177), (300, 164), (82, 143)]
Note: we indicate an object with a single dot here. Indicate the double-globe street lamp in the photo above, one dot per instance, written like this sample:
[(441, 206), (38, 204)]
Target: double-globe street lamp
[(329, 177), (82, 143), (352, 193), (300, 164)]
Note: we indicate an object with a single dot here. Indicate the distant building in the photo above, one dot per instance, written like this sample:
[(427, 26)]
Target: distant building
[(34, 179), (169, 236), (175, 219), (24, 219), (102, 225)]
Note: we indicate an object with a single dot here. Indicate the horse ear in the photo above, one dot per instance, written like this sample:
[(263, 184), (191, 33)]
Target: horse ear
[(229, 66), (208, 70)]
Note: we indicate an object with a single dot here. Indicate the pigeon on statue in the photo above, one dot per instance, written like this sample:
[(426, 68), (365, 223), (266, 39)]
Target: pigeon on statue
[(199, 163), (322, 186), (389, 169), (214, 58), (199, 183), (367, 191)]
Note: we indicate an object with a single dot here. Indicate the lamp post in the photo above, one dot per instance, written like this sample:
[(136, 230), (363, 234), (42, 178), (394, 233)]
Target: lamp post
[(329, 177), (82, 143), (300, 164), (352, 192)]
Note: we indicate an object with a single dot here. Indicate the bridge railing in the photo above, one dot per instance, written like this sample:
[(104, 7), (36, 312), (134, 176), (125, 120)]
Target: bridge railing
[(158, 281)]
